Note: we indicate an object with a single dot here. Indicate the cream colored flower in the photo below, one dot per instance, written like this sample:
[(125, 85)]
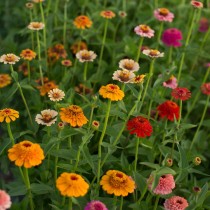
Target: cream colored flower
[(36, 26), (47, 117), (129, 64), (123, 76), (9, 58), (56, 94), (153, 53), (86, 56)]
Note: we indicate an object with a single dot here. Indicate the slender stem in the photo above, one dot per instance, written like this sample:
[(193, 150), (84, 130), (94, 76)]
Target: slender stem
[(142, 195), (139, 49), (70, 204), (77, 159), (65, 22), (48, 7), (121, 203), (56, 163), (55, 13), (91, 116), (85, 72), (156, 202), (201, 122), (136, 154), (29, 71), (70, 146), (170, 54), (159, 33), (10, 133), (101, 139), (32, 33)]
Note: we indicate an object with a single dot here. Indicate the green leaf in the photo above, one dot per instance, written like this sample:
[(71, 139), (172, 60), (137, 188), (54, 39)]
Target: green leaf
[(184, 126), (17, 190), (10, 93), (202, 196), (133, 90), (41, 188), (14, 75), (88, 157), (121, 105), (28, 87), (4, 145), (151, 165)]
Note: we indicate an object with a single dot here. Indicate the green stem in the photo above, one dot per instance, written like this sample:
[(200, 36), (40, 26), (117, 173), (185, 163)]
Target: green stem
[(101, 139), (77, 159), (65, 22), (91, 116), (180, 113), (142, 195), (70, 204), (170, 54), (136, 154), (29, 71), (156, 202), (139, 49), (121, 203), (159, 33), (85, 72), (32, 33), (10, 134), (55, 13), (201, 122), (48, 7), (56, 163)]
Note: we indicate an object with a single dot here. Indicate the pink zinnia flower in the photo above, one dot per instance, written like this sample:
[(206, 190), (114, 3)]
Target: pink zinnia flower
[(163, 14), (144, 31), (95, 205), (176, 203), (205, 88), (171, 83), (197, 4), (203, 25), (165, 185), (5, 201), (171, 37)]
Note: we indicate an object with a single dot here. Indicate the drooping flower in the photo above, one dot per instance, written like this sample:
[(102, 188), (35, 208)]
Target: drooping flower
[(44, 89), (36, 26), (26, 154), (71, 185), (5, 80), (8, 115), (129, 65), (27, 54), (111, 92), (163, 14), (165, 185), (144, 31), (172, 37), (5, 200), (139, 126), (168, 109), (82, 22), (73, 115), (117, 183), (95, 205), (138, 79), (107, 14), (86, 56), (203, 25), (205, 88), (171, 82), (123, 76), (153, 53), (66, 63), (181, 93), (9, 58), (197, 4), (176, 203), (56, 94), (77, 46), (47, 117)]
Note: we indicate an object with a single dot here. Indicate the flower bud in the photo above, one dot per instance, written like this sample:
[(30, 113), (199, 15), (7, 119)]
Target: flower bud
[(95, 125), (197, 161)]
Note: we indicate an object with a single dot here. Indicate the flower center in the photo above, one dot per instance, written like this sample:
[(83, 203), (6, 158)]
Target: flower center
[(145, 28), (10, 58), (179, 201), (128, 65), (85, 55), (73, 177), (163, 11), (27, 145), (112, 87), (7, 111), (47, 117), (124, 76), (154, 52), (56, 95)]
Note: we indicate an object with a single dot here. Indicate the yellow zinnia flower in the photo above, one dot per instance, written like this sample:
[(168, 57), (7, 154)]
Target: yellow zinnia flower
[(111, 92), (73, 115), (72, 185), (27, 54), (117, 183), (8, 115), (5, 80), (26, 154), (82, 22)]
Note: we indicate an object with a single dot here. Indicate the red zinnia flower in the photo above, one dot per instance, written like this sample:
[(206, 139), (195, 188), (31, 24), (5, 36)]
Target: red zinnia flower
[(168, 109), (205, 88), (139, 126), (181, 93)]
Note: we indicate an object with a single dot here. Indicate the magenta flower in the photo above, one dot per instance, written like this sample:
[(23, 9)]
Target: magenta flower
[(95, 205), (171, 37), (163, 14), (171, 83), (176, 203), (144, 31), (207, 65), (5, 201), (203, 25), (165, 185)]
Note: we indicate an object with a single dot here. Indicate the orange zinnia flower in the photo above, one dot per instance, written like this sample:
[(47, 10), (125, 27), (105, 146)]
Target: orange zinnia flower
[(72, 185), (5, 80), (73, 115), (76, 47), (8, 115), (111, 92), (56, 52), (26, 154), (82, 22), (44, 89), (117, 183), (27, 54)]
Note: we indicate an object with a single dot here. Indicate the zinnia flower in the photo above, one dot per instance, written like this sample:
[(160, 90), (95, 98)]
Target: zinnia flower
[(163, 14), (138, 79), (117, 183), (144, 31), (44, 89), (168, 109), (71, 185), (95, 125), (9, 58), (95, 205), (27, 54), (111, 92), (203, 25), (8, 115), (123, 76), (197, 4), (47, 117), (66, 63), (129, 65), (165, 185), (181, 93), (107, 14), (5, 200), (205, 88), (86, 56), (172, 37), (76, 47), (122, 14), (56, 52), (56, 94), (36, 26), (171, 83), (82, 22), (26, 154), (82, 89), (73, 115), (5, 80), (139, 126), (29, 5), (153, 53), (176, 203)]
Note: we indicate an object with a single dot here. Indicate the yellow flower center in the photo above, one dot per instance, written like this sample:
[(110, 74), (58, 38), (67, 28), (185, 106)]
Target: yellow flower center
[(124, 76), (145, 28), (85, 55), (55, 95), (128, 65), (36, 25), (163, 11), (10, 58), (154, 52), (7, 111), (117, 179), (46, 117)]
